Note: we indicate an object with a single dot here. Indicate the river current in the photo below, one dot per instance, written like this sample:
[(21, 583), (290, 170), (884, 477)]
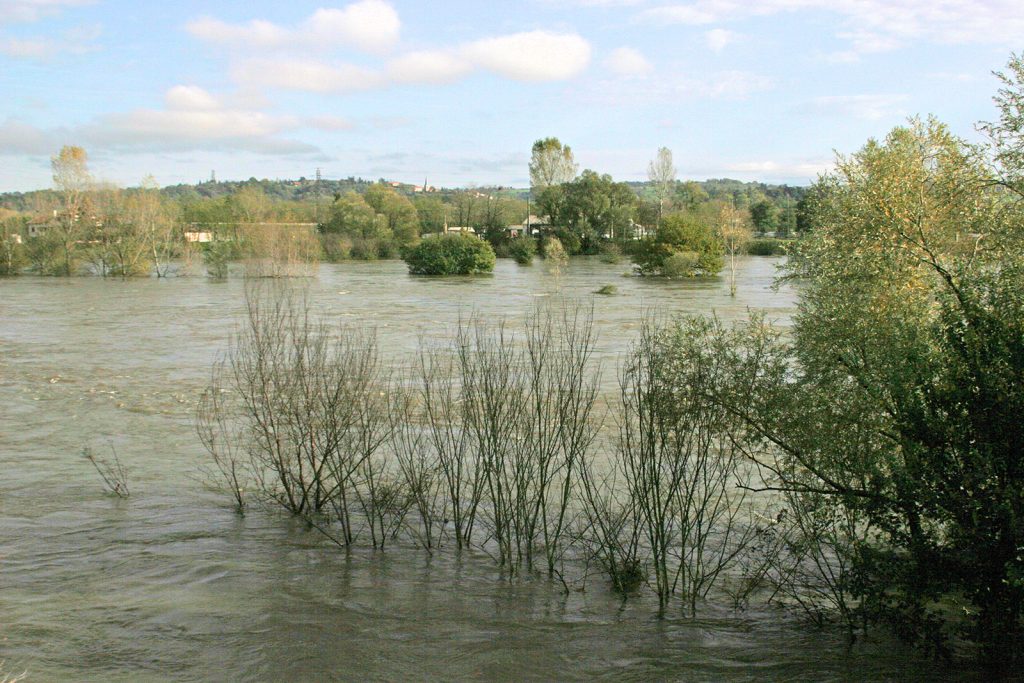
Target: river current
[(170, 585)]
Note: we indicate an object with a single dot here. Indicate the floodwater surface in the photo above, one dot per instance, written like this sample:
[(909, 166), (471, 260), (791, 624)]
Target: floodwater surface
[(170, 585)]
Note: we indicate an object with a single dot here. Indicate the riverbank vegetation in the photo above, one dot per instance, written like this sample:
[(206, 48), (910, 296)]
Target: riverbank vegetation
[(863, 467), (84, 226)]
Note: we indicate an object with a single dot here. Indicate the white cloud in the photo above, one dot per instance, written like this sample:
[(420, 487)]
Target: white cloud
[(190, 97), (76, 41), (192, 119), (674, 88), (17, 137), (34, 10), (190, 126), (718, 38), (256, 34), (864, 107), (627, 62), (531, 56), (774, 169), (428, 66), (368, 25), (306, 74), (330, 123), (875, 25)]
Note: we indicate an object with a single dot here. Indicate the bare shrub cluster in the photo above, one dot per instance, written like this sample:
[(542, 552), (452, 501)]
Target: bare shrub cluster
[(498, 440)]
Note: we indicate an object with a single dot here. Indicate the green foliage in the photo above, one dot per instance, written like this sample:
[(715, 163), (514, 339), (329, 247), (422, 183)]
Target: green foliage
[(765, 216), (766, 246), (683, 247), (431, 212), (216, 255), (568, 240), (898, 405), (454, 254), (523, 249), (400, 220), (607, 290), (591, 208)]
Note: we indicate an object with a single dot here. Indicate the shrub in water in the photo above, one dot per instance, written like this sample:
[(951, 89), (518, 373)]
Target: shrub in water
[(766, 247), (458, 254), (523, 250)]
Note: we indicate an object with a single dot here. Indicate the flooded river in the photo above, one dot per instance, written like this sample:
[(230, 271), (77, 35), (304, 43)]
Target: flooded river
[(170, 584)]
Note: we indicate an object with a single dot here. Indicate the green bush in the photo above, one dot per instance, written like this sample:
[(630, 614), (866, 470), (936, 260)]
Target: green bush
[(684, 246), (216, 255), (681, 264), (766, 247), (457, 254), (523, 249)]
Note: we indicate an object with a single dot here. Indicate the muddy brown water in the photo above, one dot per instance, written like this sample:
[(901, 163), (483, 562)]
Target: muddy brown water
[(171, 585)]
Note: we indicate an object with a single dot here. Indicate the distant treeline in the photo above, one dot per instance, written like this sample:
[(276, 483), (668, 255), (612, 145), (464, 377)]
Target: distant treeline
[(298, 199), (672, 227)]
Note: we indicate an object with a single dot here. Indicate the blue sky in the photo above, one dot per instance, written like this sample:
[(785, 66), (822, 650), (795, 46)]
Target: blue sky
[(458, 91)]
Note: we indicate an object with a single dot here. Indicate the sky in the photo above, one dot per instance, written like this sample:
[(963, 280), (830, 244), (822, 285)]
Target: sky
[(457, 92)]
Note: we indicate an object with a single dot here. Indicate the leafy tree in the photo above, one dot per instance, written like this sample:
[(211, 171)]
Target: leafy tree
[(898, 404), (690, 195), (431, 212), (453, 254), (765, 216), (592, 207), (72, 180), (399, 213), (350, 215), (551, 163)]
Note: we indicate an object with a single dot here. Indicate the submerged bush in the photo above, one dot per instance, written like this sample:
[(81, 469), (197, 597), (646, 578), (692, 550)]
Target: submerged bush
[(683, 247), (611, 252), (457, 254), (766, 247), (523, 249)]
